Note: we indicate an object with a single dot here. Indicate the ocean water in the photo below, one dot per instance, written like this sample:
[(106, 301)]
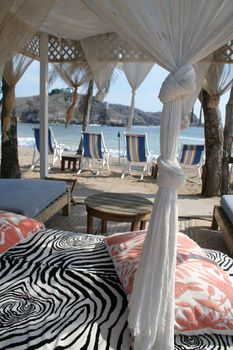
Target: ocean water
[(70, 136)]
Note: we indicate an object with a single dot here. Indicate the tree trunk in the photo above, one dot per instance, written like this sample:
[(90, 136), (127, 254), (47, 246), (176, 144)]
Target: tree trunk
[(87, 111), (200, 115), (228, 133), (191, 117), (9, 158), (212, 170)]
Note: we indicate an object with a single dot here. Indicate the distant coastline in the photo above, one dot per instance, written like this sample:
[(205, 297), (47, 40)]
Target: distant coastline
[(102, 113)]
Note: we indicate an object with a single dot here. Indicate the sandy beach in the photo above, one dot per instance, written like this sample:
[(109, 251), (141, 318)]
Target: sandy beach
[(106, 179), (195, 212)]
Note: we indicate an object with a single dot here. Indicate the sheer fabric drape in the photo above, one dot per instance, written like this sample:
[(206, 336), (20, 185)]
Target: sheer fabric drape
[(176, 34), (19, 20), (135, 73), (13, 71), (101, 69), (74, 75), (218, 81)]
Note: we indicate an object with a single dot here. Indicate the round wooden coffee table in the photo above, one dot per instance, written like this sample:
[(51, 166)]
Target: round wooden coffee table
[(118, 207)]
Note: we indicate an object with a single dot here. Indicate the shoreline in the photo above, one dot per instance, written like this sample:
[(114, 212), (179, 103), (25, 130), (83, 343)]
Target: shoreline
[(192, 186), (113, 137)]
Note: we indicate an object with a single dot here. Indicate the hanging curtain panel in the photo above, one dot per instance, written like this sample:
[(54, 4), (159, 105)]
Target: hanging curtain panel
[(135, 73), (100, 58), (176, 34), (19, 20), (218, 81), (13, 71)]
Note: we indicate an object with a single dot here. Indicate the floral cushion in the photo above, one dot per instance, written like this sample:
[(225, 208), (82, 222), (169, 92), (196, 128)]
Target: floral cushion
[(15, 228), (203, 291)]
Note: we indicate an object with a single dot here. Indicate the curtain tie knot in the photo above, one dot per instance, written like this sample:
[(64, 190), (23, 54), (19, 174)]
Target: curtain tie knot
[(178, 84), (170, 174)]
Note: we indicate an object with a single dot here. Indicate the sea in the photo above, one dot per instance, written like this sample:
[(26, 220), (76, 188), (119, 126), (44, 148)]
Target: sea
[(113, 136)]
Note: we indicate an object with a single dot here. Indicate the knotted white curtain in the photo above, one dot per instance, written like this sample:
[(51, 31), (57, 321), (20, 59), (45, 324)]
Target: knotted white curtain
[(13, 71), (19, 20), (75, 75), (101, 69), (135, 73), (176, 34), (218, 81)]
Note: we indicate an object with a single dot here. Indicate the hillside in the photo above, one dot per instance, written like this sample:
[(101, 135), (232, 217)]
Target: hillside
[(27, 111)]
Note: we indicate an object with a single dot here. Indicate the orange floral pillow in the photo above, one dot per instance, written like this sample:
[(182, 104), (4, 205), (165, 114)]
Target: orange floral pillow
[(203, 291), (15, 228)]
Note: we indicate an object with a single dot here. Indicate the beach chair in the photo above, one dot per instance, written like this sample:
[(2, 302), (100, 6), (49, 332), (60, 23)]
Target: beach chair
[(192, 155), (54, 148), (94, 151), (136, 152)]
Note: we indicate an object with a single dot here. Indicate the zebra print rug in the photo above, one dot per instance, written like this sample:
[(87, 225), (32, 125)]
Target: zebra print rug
[(59, 290)]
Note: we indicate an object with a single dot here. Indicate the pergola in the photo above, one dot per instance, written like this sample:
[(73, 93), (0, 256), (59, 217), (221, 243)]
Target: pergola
[(110, 45), (179, 35)]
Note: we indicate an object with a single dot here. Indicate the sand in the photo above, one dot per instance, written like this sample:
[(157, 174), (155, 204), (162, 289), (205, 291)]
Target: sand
[(191, 203), (106, 178), (195, 212)]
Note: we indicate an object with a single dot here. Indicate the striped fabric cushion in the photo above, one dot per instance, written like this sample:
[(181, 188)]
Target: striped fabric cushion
[(92, 146), (135, 148), (191, 154)]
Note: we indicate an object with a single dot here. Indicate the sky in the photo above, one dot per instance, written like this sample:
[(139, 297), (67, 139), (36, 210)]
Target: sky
[(120, 92)]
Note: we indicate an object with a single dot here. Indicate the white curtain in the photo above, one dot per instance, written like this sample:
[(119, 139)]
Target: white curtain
[(13, 71), (101, 69), (135, 73), (75, 75), (218, 81), (19, 20), (176, 34)]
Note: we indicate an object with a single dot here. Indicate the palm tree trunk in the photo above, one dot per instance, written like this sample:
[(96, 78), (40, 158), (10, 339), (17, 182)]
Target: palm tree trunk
[(212, 170), (191, 117), (87, 111), (227, 145), (200, 115), (9, 158)]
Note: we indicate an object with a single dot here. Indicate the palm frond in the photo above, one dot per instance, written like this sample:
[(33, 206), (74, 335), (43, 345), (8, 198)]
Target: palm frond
[(73, 74)]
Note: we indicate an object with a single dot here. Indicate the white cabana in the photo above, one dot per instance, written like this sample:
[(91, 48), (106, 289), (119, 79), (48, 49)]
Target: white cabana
[(176, 34)]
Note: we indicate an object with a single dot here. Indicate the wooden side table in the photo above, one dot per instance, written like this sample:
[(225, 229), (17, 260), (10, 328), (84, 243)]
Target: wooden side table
[(118, 207), (70, 157)]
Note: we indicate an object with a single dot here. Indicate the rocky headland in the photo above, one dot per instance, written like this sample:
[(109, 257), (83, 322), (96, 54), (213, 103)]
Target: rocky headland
[(102, 113)]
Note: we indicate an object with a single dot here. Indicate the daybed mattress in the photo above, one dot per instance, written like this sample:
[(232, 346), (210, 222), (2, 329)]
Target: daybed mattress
[(227, 205), (59, 290), (29, 197)]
